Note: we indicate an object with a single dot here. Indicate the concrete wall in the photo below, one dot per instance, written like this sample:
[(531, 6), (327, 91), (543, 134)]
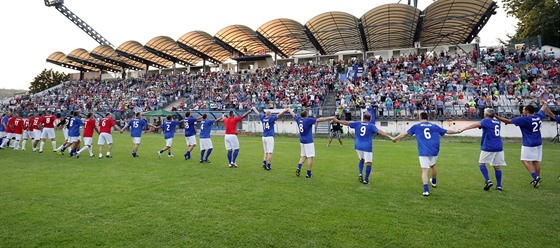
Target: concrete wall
[(548, 128)]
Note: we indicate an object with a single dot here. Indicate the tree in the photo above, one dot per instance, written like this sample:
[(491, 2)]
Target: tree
[(47, 79), (536, 17)]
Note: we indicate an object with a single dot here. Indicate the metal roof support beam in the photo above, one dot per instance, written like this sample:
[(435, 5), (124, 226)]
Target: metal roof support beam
[(85, 62), (198, 53), (141, 60), (363, 35), (481, 23), (418, 30), (81, 69), (314, 41), (270, 45), (227, 46), (166, 56), (115, 62)]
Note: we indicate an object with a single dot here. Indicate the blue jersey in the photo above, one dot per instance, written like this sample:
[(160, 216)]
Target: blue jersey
[(136, 127), (491, 139), (530, 128), (205, 128), (557, 118), (363, 135), (74, 127), (4, 121), (190, 128), (427, 137), (268, 125), (305, 126), (168, 128)]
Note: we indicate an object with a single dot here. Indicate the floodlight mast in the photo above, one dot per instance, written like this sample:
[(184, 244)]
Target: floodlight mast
[(59, 5)]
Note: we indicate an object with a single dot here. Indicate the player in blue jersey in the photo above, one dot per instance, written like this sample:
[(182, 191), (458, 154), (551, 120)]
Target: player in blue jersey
[(548, 112), (363, 135), (74, 133), (190, 132), (428, 139), (206, 145), (491, 148), (136, 128), (268, 121), (168, 128), (305, 128), (531, 149)]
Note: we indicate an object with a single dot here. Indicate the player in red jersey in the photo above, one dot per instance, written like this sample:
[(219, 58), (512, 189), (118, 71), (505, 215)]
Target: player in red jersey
[(47, 124), (35, 127), (105, 126), (89, 127), (28, 130), (230, 139), (18, 125)]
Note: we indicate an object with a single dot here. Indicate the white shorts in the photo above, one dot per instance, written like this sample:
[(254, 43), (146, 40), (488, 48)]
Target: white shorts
[(531, 153), (136, 140), (36, 134), (427, 161), (88, 141), (205, 144), (48, 133), (268, 144), (65, 133), (307, 150), (492, 158), (73, 139), (28, 135), (231, 141), (191, 140), (9, 135), (366, 156), (17, 136), (2, 133), (105, 138), (169, 142)]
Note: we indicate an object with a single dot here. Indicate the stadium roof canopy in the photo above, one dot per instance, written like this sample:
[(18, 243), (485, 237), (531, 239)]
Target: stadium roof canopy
[(386, 27), (82, 56), (60, 59), (107, 54)]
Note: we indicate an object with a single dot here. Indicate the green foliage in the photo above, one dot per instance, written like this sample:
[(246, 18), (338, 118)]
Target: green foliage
[(47, 79), (536, 17), (49, 200)]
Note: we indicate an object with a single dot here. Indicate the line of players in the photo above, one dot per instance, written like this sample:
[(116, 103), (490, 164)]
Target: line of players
[(427, 136)]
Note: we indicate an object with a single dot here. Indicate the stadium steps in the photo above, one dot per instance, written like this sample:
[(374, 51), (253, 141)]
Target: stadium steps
[(322, 127), (173, 104)]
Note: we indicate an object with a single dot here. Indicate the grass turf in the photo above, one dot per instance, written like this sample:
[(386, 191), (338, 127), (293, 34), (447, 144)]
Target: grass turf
[(49, 200)]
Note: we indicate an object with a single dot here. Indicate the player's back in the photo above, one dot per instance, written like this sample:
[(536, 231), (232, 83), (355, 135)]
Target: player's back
[(427, 138), (268, 125), (169, 128), (136, 127), (48, 121), (74, 127), (530, 127), (190, 126), (205, 128), (491, 140), (363, 135), (105, 125), (305, 128)]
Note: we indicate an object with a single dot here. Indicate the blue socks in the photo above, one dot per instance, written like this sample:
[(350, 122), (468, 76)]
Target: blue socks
[(235, 153), (202, 154), (434, 180), (426, 188), (308, 173), (299, 166), (268, 166), (361, 167), (188, 154), (264, 162), (134, 154), (368, 171), (229, 158), (498, 178), (534, 175), (169, 153), (208, 153), (484, 171)]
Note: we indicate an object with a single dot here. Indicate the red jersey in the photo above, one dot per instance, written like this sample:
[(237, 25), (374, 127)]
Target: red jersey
[(10, 125), (35, 123), (27, 125), (106, 124), (48, 121), (231, 124), (88, 128), (19, 124)]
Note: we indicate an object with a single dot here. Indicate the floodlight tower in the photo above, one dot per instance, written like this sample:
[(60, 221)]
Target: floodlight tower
[(59, 5)]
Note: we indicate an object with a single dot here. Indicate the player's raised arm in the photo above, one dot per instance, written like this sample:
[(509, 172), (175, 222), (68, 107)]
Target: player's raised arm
[(384, 134), (324, 119), (400, 136), (199, 118), (255, 110), (219, 119), (291, 112), (336, 120), (471, 126), (547, 110), (504, 120), (247, 113), (281, 113)]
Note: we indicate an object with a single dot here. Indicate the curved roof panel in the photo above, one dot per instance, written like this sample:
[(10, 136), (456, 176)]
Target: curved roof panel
[(59, 58), (451, 21), (202, 42), (135, 51), (390, 26), (242, 39), (287, 35), (82, 56), (336, 31), (107, 54), (167, 48)]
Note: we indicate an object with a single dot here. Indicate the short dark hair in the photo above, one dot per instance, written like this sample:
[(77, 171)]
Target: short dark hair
[(424, 115), (367, 117), (89, 115), (169, 117), (76, 113), (188, 114), (530, 109), (204, 116), (303, 114), (230, 113), (107, 114)]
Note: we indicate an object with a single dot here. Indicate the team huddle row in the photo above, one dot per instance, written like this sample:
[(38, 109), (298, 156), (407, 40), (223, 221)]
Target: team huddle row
[(40, 128)]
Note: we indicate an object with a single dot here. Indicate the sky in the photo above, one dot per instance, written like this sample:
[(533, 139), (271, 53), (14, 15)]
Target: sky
[(33, 31)]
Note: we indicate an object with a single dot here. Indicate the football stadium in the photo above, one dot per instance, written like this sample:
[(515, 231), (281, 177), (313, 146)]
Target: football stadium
[(395, 128)]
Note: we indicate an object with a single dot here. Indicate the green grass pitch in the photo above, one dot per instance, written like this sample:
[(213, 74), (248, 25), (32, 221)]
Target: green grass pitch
[(49, 200)]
